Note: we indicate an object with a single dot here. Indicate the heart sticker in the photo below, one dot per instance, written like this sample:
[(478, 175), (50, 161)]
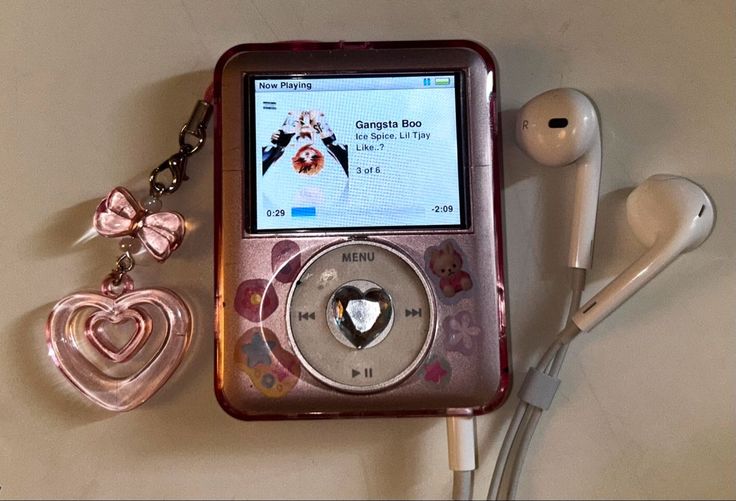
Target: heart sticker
[(285, 261), (361, 316), (83, 333)]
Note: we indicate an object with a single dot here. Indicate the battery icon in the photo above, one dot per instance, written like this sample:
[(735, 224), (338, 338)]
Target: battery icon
[(442, 81)]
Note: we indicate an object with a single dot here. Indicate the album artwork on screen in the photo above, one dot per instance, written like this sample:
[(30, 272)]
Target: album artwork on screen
[(356, 152)]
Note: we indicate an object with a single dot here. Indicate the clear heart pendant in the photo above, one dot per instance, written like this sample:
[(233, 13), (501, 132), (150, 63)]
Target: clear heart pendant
[(118, 347)]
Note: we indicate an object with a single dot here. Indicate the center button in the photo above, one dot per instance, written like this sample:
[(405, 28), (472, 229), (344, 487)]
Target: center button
[(360, 314)]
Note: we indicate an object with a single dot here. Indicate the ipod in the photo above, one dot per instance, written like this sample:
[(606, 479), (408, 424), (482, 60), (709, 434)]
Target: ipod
[(358, 252)]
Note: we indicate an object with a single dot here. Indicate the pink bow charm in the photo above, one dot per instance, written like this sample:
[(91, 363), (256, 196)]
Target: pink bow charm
[(120, 215)]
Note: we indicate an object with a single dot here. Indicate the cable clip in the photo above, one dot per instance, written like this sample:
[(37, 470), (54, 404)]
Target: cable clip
[(538, 389)]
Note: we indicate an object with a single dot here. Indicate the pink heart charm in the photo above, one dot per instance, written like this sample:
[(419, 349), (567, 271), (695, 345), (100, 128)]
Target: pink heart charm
[(100, 323), (81, 332)]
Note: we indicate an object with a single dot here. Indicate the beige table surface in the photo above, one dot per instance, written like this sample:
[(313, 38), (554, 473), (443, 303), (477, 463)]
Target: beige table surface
[(91, 94)]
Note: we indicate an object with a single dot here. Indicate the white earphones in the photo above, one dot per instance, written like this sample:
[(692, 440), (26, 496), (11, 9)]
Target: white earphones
[(557, 128), (670, 215)]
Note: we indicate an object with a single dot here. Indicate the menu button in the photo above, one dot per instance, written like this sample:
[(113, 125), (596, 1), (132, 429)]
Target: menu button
[(358, 257)]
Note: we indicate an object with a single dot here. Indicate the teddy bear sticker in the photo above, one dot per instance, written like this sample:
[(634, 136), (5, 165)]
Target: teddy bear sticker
[(446, 264)]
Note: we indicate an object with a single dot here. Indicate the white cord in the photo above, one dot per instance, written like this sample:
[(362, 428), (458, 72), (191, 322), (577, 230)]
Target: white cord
[(578, 284), (503, 453), (507, 472), (462, 485), (461, 454), (535, 415), (531, 427)]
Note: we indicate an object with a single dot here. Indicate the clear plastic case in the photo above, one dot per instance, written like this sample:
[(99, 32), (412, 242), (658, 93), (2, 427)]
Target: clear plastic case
[(266, 364)]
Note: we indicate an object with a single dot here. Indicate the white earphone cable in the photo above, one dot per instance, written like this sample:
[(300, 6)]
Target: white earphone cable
[(578, 284), (526, 417)]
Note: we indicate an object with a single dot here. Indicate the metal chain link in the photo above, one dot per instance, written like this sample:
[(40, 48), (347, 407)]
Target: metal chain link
[(176, 165), (192, 137), (124, 264)]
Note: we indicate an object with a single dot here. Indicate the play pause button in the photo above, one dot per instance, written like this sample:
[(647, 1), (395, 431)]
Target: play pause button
[(367, 372)]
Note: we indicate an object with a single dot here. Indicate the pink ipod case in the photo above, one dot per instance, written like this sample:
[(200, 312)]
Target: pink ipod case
[(463, 368)]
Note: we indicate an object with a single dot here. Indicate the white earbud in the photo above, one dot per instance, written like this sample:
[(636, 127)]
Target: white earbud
[(670, 215), (560, 127)]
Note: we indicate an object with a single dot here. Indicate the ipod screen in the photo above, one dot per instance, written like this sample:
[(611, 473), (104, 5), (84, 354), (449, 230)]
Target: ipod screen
[(354, 152)]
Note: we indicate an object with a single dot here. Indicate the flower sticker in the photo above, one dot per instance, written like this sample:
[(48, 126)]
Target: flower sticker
[(258, 351), (436, 372), (272, 370), (256, 300), (461, 333)]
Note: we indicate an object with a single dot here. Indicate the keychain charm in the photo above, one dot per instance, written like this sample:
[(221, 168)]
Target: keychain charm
[(120, 215), (120, 345), (146, 317)]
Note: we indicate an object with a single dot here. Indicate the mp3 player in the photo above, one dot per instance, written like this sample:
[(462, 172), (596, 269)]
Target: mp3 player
[(358, 252)]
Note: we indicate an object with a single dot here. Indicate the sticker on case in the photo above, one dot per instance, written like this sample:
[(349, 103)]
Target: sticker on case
[(436, 371), (272, 370), (256, 300), (460, 333), (285, 261), (327, 278), (445, 264)]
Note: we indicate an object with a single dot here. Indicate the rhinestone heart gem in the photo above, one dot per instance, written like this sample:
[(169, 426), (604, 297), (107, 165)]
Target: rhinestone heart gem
[(361, 317)]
